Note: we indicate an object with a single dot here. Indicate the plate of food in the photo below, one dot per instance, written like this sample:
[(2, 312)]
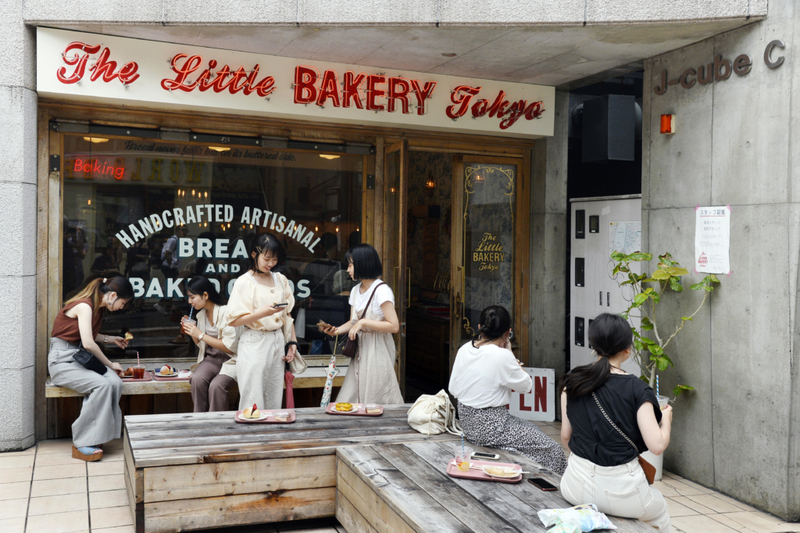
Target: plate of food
[(252, 414), (500, 471), (345, 407), (166, 371)]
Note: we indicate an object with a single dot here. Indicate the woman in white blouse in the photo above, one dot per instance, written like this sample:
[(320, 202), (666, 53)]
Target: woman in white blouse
[(262, 300), (484, 374)]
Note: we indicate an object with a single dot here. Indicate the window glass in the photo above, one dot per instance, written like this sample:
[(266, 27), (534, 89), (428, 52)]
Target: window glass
[(160, 213)]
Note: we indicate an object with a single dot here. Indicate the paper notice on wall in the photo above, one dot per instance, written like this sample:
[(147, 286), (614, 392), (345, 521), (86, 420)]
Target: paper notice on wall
[(712, 240), (624, 237)]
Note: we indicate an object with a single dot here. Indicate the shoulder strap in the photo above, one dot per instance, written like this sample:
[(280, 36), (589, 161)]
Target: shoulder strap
[(371, 296), (612, 423)]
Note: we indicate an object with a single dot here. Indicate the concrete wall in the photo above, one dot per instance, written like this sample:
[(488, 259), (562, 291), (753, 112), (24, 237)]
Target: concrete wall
[(17, 227), (738, 432), (548, 271)]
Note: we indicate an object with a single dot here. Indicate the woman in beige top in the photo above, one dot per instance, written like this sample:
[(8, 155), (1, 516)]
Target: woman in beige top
[(262, 300)]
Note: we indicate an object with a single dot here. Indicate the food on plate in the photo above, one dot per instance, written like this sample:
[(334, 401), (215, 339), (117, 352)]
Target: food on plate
[(128, 336), (464, 466), (282, 416), (343, 407), (372, 409), (128, 372), (166, 370), (501, 471), (251, 412)]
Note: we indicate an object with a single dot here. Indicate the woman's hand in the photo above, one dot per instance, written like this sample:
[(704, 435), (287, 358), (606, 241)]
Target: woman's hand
[(289, 357), (269, 310), (666, 415), (358, 326), (328, 329), (192, 330), (116, 368), (119, 341)]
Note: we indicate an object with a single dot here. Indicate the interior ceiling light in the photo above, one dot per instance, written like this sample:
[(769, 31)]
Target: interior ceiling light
[(96, 139), (329, 156), (219, 148)]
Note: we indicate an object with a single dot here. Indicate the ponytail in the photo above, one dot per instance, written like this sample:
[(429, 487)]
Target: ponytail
[(97, 287), (587, 378)]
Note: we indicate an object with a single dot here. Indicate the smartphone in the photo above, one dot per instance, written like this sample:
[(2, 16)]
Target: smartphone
[(281, 305), (483, 456), (542, 484)]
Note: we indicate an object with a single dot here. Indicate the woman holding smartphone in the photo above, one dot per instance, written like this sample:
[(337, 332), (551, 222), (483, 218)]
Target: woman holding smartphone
[(370, 377), (608, 417), (78, 325), (261, 301), (484, 374), (215, 372)]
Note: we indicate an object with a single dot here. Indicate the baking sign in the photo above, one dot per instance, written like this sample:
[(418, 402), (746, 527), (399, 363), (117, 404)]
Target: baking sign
[(123, 71)]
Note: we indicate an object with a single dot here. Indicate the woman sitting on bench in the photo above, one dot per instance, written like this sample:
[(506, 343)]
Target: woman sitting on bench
[(77, 326), (215, 372)]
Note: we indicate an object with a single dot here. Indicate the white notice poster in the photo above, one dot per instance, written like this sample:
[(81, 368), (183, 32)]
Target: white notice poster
[(712, 240)]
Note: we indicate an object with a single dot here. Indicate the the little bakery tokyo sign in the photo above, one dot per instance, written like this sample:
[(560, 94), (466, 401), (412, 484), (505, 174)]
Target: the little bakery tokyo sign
[(118, 70)]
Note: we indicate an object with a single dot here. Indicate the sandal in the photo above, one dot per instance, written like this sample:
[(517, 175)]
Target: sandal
[(87, 453)]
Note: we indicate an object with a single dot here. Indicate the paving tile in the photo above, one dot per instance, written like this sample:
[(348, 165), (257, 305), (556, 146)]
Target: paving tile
[(98, 483), (108, 498), (790, 526), (714, 503), (105, 468), (56, 459), (59, 522), (29, 451), (682, 488), (55, 446), (696, 486), (13, 525), (58, 504), (59, 471), (670, 475), (111, 517), (121, 529), (757, 521), (14, 475), (724, 520), (697, 524), (691, 504), (678, 509), (116, 444), (55, 487), (112, 455), (13, 491), (14, 508), (16, 461), (735, 502), (666, 490)]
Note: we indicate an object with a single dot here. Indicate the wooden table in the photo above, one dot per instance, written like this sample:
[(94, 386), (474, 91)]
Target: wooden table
[(404, 488), (203, 470)]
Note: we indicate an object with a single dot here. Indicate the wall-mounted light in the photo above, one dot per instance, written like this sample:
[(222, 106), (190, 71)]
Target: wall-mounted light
[(668, 124), (329, 156), (219, 148), (96, 139), (90, 201), (479, 178), (392, 190), (430, 186)]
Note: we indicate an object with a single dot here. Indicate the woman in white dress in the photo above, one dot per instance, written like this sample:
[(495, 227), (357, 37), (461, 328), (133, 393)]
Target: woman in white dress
[(261, 300), (370, 377)]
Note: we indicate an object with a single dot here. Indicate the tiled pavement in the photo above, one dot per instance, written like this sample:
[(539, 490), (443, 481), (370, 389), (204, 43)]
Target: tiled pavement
[(44, 490)]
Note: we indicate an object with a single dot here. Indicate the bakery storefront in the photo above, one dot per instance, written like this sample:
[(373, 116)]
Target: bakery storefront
[(160, 161)]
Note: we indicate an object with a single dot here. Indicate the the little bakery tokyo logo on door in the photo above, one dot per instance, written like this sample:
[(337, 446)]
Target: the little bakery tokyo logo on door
[(267, 84)]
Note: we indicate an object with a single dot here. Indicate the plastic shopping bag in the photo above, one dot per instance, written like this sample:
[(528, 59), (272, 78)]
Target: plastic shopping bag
[(575, 519)]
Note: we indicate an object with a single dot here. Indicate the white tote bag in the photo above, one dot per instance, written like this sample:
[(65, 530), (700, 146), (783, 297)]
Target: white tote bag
[(431, 415)]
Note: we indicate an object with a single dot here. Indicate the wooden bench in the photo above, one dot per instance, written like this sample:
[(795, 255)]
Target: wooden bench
[(313, 377), (203, 470), (404, 488)]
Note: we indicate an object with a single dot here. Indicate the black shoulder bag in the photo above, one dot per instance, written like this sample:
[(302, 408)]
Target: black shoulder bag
[(87, 359), (351, 345), (649, 470)]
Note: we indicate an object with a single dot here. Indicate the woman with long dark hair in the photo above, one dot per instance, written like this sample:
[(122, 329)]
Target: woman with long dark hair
[(261, 301), (78, 325), (484, 374), (370, 377), (215, 371), (608, 418)]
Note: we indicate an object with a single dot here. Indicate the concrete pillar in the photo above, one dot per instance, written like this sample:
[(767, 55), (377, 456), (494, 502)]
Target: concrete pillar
[(548, 283), (17, 227)]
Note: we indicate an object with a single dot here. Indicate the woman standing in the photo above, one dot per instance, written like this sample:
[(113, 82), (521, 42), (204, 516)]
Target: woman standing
[(78, 325), (261, 301), (373, 319), (484, 374), (215, 372), (603, 467)]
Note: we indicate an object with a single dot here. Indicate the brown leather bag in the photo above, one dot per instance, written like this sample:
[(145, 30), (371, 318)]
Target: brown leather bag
[(649, 470), (351, 345)]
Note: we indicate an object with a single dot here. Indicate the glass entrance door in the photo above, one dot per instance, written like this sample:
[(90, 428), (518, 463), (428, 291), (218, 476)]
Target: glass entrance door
[(489, 247)]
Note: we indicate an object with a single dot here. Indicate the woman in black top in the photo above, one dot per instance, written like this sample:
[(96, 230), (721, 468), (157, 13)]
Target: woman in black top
[(603, 468)]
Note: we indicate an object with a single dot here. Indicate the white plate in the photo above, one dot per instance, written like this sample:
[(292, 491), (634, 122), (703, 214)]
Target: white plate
[(511, 472), (352, 410), (261, 416), (173, 375)]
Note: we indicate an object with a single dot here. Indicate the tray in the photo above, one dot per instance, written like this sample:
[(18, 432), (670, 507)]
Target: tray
[(147, 377), (480, 475), (173, 378), (360, 410), (269, 420)]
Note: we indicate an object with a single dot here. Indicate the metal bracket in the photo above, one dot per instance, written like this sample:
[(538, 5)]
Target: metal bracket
[(370, 181), (55, 163)]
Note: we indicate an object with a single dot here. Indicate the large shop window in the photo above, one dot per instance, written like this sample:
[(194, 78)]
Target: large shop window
[(126, 202)]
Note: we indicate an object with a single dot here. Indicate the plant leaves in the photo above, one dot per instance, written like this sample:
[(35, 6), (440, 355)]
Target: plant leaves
[(678, 271), (656, 350), (639, 299), (647, 325), (617, 256), (661, 274), (640, 256), (675, 284), (680, 389)]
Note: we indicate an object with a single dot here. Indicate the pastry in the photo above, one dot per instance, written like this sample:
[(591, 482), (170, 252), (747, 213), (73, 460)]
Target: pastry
[(166, 370), (251, 412), (373, 410), (343, 407), (128, 336), (282, 416), (128, 372)]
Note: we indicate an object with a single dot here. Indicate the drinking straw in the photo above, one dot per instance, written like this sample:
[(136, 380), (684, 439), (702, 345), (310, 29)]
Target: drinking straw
[(137, 359), (657, 385), (463, 453), (191, 309)]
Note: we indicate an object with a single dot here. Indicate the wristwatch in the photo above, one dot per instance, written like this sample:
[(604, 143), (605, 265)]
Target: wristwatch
[(201, 337)]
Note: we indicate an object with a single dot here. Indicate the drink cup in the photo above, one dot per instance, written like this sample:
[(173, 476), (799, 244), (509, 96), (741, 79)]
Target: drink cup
[(662, 401), (138, 372), (462, 457), (185, 321)]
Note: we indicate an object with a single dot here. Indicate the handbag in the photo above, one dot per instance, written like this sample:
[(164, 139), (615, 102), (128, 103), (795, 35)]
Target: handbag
[(351, 345), (649, 470), (85, 358), (298, 365), (434, 414)]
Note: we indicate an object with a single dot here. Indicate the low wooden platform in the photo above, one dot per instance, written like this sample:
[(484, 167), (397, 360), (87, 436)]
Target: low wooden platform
[(401, 488), (195, 471), (313, 377)]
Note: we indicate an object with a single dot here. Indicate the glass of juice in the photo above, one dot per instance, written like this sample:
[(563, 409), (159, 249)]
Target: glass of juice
[(138, 372)]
